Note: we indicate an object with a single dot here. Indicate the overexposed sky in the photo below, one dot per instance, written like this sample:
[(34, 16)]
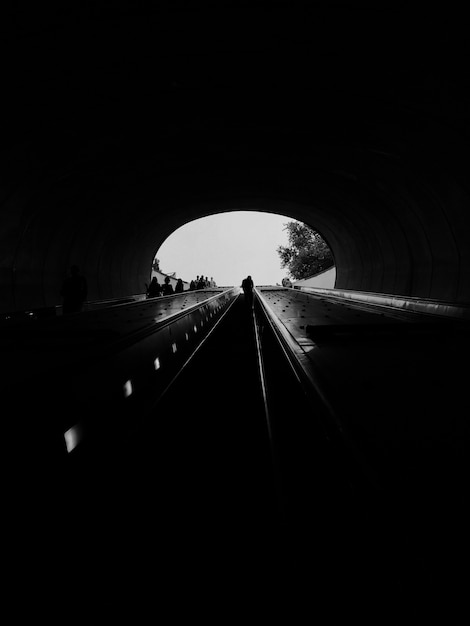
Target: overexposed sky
[(227, 246)]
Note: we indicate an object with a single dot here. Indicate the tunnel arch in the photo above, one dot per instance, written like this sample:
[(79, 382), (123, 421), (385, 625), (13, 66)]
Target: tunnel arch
[(244, 240), (386, 236), (365, 141)]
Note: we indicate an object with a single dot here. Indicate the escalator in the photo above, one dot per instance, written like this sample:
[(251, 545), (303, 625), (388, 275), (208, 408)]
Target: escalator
[(234, 442), (229, 491)]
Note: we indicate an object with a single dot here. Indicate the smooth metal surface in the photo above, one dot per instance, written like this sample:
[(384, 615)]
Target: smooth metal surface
[(391, 301), (297, 349), (170, 341), (298, 354), (50, 343), (298, 311), (391, 380), (111, 390), (190, 326), (123, 318)]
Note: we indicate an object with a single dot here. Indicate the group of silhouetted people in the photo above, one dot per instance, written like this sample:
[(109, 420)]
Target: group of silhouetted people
[(166, 289), (156, 289), (201, 282), (74, 289)]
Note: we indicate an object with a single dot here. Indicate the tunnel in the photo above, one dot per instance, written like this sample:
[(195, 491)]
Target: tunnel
[(124, 123), (121, 122)]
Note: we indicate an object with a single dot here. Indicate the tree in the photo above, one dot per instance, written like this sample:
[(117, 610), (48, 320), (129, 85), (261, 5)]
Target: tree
[(307, 252)]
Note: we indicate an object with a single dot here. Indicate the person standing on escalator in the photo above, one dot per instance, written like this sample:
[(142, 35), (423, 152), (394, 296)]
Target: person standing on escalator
[(167, 289), (179, 286), (247, 286), (154, 289)]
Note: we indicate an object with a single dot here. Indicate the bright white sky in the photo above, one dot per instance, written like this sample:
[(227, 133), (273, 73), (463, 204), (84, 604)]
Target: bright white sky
[(227, 246)]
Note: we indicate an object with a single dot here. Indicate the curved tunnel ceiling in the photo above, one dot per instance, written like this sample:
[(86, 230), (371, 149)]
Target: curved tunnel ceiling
[(124, 123)]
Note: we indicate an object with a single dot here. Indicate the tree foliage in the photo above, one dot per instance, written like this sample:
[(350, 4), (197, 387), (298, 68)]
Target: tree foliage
[(307, 252)]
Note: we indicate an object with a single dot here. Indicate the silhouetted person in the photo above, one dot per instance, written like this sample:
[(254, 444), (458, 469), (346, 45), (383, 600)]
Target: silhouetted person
[(179, 286), (74, 291), (192, 285), (247, 286), (154, 289), (201, 284), (167, 288)]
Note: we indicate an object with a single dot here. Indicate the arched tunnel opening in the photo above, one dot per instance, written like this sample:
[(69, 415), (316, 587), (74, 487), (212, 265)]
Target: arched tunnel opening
[(122, 122), (395, 224), (109, 149), (234, 244), (385, 237)]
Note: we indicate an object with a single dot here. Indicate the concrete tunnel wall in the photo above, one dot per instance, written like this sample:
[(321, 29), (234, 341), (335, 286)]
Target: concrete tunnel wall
[(371, 150), (391, 229)]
